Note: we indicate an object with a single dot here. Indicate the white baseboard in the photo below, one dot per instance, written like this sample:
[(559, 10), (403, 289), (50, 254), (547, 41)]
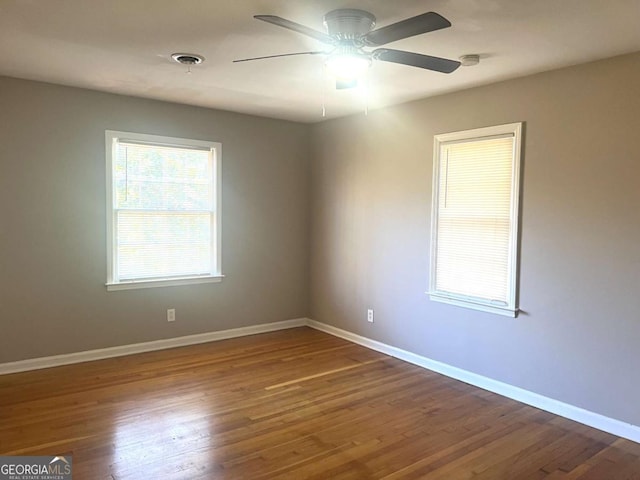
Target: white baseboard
[(586, 417), (87, 356)]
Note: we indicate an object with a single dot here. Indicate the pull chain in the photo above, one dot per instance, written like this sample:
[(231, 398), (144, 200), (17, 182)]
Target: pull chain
[(367, 88), (324, 90)]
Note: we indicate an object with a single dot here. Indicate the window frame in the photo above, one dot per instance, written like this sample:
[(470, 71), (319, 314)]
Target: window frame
[(476, 303), (112, 138)]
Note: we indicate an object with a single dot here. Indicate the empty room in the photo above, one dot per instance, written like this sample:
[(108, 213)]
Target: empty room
[(320, 239)]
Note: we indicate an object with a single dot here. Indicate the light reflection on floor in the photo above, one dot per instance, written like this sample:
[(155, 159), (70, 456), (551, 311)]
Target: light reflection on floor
[(156, 438)]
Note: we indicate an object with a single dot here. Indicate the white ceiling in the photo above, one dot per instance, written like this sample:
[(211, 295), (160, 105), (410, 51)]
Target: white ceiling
[(124, 46)]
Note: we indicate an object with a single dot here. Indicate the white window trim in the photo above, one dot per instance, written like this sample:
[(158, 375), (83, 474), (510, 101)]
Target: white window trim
[(174, 282), (511, 309), (111, 136)]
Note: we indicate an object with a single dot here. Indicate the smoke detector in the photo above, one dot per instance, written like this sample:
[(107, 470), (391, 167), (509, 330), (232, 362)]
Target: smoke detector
[(469, 60)]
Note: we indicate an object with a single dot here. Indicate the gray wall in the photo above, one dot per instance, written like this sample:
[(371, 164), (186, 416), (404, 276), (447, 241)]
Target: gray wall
[(578, 339), (369, 210), (53, 242)]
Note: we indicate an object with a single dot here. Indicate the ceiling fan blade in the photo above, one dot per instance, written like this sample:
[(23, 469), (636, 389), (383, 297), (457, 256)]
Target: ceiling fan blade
[(427, 22), (296, 27), (437, 64), (279, 55)]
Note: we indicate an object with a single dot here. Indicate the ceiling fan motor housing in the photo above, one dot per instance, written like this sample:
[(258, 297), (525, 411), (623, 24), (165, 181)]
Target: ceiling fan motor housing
[(348, 23)]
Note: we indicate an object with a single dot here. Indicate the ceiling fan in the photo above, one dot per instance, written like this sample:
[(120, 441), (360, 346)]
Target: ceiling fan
[(350, 32)]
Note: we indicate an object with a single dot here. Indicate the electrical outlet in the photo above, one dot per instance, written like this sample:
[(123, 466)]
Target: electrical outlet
[(370, 315), (171, 315)]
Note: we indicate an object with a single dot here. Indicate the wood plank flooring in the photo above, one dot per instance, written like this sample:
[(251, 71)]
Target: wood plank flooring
[(294, 404)]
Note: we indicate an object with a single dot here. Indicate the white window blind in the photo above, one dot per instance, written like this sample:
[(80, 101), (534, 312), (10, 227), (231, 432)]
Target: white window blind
[(164, 224), (475, 218)]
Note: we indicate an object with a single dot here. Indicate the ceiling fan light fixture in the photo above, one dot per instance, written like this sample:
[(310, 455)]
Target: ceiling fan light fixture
[(348, 65)]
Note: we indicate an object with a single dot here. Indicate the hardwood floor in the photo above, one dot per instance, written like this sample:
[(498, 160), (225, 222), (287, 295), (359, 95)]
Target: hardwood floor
[(296, 404)]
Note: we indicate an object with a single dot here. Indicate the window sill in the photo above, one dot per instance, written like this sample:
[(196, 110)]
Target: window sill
[(172, 282), (499, 310)]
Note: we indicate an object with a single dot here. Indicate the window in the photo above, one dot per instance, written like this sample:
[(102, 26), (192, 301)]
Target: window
[(163, 211), (474, 242)]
